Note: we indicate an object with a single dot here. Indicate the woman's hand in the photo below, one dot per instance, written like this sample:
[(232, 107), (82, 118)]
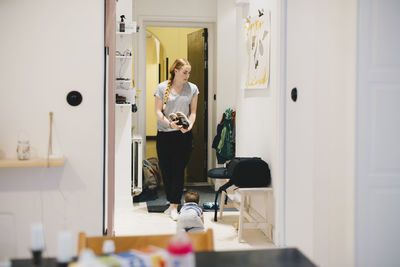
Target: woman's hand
[(183, 130), (174, 125)]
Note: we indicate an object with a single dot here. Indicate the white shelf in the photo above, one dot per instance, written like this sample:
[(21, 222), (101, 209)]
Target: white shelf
[(123, 81), (122, 57), (123, 105), (242, 2), (34, 162), (125, 33), (124, 88)]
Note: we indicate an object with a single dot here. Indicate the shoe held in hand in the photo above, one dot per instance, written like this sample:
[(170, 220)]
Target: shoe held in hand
[(180, 119), (173, 117), (183, 120)]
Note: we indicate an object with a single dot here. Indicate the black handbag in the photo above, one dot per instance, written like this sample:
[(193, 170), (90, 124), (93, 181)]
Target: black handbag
[(244, 172)]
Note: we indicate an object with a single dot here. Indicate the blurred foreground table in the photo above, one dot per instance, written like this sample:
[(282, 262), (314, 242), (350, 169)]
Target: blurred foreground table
[(280, 257)]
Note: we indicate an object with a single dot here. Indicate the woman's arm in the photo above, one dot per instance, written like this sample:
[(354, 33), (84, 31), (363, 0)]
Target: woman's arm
[(192, 116), (160, 116)]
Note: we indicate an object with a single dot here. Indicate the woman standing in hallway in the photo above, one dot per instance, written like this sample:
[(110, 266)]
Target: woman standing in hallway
[(174, 140)]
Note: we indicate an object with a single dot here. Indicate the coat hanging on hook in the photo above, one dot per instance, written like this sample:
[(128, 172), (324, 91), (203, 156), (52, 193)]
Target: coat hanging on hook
[(224, 141)]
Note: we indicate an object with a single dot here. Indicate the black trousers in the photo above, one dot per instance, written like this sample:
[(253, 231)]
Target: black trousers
[(173, 150)]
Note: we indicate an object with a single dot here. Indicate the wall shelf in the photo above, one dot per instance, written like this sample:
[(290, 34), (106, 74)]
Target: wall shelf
[(242, 2), (35, 162), (122, 57), (123, 105), (125, 33)]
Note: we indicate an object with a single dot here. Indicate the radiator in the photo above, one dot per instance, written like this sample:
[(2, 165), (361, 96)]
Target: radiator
[(137, 159)]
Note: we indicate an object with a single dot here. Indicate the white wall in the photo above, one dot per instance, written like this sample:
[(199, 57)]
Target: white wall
[(175, 8), (257, 109), (49, 48), (227, 81), (324, 200), (334, 83)]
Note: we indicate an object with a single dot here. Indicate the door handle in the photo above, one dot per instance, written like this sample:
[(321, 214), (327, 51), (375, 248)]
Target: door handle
[(293, 94)]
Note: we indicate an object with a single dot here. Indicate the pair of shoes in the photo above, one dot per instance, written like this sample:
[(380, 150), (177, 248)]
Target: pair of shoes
[(181, 118), (210, 205), (168, 211), (174, 214)]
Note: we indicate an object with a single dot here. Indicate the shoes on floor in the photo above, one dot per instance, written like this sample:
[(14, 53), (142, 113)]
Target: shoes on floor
[(168, 211), (174, 214), (210, 205)]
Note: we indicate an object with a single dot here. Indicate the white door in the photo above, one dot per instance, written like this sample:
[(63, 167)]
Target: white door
[(300, 125), (377, 218)]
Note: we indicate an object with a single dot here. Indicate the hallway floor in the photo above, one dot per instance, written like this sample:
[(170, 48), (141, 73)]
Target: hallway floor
[(136, 220)]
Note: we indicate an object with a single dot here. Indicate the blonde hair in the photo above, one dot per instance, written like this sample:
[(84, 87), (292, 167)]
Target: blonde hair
[(178, 64)]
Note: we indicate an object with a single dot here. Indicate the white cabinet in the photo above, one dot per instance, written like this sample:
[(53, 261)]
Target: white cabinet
[(128, 158), (125, 84), (128, 151), (123, 155)]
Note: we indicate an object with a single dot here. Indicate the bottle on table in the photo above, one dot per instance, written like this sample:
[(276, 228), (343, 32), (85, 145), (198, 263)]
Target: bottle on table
[(180, 251)]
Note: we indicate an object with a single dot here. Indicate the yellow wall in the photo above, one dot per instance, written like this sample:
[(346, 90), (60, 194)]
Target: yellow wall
[(151, 84), (173, 45)]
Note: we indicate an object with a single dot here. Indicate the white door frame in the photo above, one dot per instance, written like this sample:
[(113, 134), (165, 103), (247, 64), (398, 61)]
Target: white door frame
[(377, 166), (140, 66), (281, 98)]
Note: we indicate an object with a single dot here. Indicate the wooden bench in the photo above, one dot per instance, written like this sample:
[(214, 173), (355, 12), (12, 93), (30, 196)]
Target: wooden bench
[(249, 218)]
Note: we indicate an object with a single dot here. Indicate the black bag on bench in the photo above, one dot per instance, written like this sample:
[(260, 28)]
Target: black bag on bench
[(244, 172)]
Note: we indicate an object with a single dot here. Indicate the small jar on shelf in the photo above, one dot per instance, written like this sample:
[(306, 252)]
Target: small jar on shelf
[(23, 150)]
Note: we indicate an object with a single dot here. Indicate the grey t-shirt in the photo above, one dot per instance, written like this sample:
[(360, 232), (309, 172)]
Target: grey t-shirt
[(175, 103)]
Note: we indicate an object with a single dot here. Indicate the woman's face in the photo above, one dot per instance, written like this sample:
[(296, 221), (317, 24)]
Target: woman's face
[(182, 75)]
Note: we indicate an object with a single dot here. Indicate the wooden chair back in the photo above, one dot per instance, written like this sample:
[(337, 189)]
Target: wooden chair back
[(203, 241)]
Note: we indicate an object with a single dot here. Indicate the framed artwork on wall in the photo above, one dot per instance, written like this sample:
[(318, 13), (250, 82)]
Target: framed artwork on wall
[(258, 42)]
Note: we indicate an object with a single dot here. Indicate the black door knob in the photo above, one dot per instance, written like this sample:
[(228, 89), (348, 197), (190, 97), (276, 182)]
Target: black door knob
[(74, 98), (293, 94)]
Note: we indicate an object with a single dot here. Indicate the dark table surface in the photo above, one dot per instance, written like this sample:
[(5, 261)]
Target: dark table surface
[(284, 257), (281, 257)]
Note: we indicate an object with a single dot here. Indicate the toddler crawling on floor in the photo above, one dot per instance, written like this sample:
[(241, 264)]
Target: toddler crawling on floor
[(190, 217)]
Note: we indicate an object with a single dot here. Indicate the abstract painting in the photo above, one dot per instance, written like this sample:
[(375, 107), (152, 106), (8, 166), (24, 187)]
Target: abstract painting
[(258, 39)]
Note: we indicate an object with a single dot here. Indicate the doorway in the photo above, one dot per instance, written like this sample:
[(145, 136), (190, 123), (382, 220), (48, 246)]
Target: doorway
[(163, 46), (140, 78)]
